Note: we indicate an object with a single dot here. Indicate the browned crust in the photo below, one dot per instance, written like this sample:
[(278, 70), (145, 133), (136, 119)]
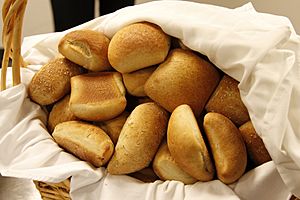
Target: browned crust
[(187, 146), (87, 48), (227, 146), (87, 142), (52, 81), (139, 139), (60, 113), (184, 78), (255, 147), (137, 46), (226, 100)]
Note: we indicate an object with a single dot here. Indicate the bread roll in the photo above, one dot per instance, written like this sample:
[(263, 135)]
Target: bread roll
[(97, 96), (52, 81), (226, 100), (139, 139), (87, 48), (184, 78), (166, 168), (227, 146), (134, 82), (137, 46), (86, 141), (114, 126), (60, 113), (187, 146), (255, 147)]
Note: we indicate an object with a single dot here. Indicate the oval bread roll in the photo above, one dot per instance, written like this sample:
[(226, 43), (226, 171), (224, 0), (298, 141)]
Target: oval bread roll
[(187, 146), (227, 146), (86, 141), (114, 126), (87, 48), (97, 96), (60, 113), (134, 82), (137, 46), (52, 81), (166, 168), (255, 147), (139, 139), (184, 78), (227, 101)]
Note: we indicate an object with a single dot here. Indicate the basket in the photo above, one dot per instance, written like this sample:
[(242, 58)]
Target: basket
[(12, 14)]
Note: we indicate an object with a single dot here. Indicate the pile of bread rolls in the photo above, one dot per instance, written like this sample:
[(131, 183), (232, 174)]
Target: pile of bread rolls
[(141, 103)]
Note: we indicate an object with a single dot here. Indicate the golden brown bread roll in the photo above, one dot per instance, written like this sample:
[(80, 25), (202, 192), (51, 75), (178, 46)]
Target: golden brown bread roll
[(184, 78), (52, 81), (187, 146), (226, 100), (139, 139), (134, 82), (60, 113), (114, 126), (87, 48), (86, 141), (137, 46), (97, 96), (227, 146), (166, 168), (255, 147)]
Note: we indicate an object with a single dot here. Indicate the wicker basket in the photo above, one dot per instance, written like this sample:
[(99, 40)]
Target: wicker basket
[(12, 14)]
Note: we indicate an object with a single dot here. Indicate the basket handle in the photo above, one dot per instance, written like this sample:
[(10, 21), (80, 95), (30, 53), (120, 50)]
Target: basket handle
[(12, 15)]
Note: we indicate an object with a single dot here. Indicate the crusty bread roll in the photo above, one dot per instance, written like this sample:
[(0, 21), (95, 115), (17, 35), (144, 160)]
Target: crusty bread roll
[(86, 141), (146, 175), (187, 146), (60, 113), (227, 146), (134, 82), (137, 46), (184, 78), (139, 139), (52, 81), (97, 96), (166, 168), (87, 48), (226, 100), (255, 147), (114, 126)]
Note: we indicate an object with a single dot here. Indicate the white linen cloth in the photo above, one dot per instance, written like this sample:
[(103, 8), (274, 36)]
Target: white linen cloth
[(262, 51)]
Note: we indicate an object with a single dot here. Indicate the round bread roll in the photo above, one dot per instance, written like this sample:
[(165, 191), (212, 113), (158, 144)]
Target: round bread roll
[(227, 146), (166, 168), (134, 82), (87, 142), (114, 126), (87, 48), (184, 78), (97, 96), (226, 100), (139, 139), (137, 46), (255, 147), (187, 146), (60, 113), (52, 81)]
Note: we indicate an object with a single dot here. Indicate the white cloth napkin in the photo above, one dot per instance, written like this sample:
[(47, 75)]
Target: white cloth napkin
[(262, 51)]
